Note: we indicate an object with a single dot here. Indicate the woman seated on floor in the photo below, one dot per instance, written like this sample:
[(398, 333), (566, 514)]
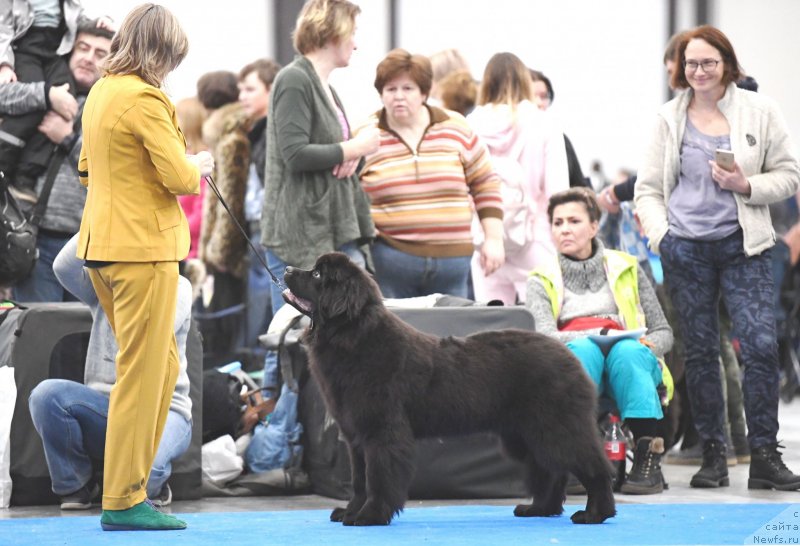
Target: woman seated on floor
[(588, 290)]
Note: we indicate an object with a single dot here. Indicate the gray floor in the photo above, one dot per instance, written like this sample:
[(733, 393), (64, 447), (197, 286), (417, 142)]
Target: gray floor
[(677, 476)]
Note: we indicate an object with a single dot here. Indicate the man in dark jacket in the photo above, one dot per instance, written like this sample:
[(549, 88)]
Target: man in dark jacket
[(61, 218)]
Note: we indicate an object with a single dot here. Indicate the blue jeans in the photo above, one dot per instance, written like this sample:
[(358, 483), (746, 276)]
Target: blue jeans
[(71, 420), (629, 374), (278, 268), (259, 307), (697, 274), (402, 275), (42, 284)]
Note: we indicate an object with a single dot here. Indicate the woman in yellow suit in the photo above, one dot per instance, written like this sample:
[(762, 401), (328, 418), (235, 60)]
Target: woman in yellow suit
[(133, 234)]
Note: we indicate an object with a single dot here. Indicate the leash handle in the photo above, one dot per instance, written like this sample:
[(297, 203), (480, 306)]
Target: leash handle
[(272, 276)]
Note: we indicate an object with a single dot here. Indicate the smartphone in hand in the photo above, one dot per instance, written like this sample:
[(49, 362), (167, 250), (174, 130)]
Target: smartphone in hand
[(724, 159)]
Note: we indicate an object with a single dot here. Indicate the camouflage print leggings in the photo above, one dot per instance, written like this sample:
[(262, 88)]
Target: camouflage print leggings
[(696, 274)]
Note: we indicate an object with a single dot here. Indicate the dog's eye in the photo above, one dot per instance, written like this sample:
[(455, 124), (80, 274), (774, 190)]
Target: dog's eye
[(315, 274)]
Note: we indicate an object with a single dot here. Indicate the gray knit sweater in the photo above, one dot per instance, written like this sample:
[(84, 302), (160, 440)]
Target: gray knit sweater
[(588, 294)]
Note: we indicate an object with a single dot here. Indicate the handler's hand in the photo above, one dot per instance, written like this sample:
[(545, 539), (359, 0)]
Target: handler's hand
[(62, 102), (734, 180), (204, 161)]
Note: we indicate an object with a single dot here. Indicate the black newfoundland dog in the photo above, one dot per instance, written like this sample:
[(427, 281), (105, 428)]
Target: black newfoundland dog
[(387, 383)]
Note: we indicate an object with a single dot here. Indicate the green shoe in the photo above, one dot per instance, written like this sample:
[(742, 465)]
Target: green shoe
[(142, 517)]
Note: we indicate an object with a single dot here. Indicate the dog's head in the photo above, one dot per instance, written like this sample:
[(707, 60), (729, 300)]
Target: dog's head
[(336, 288)]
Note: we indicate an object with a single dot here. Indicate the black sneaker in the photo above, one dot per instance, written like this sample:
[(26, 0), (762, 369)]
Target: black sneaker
[(82, 498), (714, 472), (767, 470), (164, 497)]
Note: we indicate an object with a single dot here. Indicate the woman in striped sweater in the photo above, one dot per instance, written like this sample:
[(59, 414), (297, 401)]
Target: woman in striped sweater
[(425, 181)]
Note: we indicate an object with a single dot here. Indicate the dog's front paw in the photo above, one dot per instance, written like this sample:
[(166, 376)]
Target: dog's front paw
[(338, 514), (533, 511), (584, 516), (370, 514)]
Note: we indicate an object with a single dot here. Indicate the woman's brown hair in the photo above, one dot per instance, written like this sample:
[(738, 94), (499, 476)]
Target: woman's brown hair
[(150, 43), (399, 61), (575, 195), (506, 80), (732, 72)]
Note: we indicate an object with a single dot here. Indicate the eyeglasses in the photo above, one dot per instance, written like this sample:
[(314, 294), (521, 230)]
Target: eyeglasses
[(707, 64)]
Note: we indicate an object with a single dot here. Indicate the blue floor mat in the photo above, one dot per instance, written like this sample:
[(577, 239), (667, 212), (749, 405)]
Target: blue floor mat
[(669, 524)]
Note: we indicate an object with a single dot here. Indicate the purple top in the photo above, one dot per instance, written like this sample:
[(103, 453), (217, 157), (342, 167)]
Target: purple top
[(342, 122), (698, 208)]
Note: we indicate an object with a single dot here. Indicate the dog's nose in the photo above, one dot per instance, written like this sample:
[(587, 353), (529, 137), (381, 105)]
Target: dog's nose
[(288, 271)]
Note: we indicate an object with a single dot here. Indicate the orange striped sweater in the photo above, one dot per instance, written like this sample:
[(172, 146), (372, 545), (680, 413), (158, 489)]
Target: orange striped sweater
[(422, 201)]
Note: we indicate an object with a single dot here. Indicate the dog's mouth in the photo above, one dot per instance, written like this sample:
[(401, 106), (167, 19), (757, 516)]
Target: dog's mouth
[(304, 306)]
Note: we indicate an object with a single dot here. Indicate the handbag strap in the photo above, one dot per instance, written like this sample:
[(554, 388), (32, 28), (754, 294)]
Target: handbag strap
[(50, 177)]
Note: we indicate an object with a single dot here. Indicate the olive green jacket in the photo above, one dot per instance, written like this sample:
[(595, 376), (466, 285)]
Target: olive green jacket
[(308, 211)]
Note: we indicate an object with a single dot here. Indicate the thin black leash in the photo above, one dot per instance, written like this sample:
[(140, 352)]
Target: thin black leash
[(272, 276)]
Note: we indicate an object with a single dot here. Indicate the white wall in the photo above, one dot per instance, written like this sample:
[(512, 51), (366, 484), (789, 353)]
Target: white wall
[(222, 35), (765, 37), (603, 56)]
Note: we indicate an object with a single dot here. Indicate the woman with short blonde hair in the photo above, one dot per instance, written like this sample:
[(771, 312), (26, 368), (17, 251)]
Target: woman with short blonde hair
[(322, 22)]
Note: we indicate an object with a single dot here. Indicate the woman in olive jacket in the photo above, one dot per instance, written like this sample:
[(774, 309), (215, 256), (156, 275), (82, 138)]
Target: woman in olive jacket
[(313, 202)]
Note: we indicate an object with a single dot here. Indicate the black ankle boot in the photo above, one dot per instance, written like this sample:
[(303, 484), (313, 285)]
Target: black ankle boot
[(714, 472), (767, 470), (645, 477)]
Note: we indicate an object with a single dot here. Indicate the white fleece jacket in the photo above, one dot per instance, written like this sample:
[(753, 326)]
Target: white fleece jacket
[(761, 145)]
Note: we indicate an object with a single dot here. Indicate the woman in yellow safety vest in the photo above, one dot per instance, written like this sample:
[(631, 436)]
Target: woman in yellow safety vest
[(586, 297)]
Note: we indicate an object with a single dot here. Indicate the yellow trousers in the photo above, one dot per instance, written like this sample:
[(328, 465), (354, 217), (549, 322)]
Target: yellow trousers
[(139, 300)]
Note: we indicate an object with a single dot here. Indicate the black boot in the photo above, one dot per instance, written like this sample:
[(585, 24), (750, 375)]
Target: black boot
[(714, 472), (645, 477), (767, 470)]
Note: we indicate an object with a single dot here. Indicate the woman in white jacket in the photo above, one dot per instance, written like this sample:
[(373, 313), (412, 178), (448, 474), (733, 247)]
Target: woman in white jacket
[(712, 228), (528, 153)]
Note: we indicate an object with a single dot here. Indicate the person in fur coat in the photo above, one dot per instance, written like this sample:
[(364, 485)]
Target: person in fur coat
[(222, 248)]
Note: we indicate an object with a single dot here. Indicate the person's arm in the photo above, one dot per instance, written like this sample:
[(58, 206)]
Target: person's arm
[(780, 173), (484, 187), (6, 37), (151, 120), (17, 98), (69, 271), (649, 198), (659, 333), (292, 111)]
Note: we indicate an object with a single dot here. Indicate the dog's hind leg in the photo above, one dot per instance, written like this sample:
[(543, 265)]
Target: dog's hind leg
[(389, 469), (547, 489), (594, 473), (359, 480)]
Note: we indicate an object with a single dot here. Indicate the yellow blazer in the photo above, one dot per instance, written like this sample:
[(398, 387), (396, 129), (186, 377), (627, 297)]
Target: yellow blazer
[(134, 163)]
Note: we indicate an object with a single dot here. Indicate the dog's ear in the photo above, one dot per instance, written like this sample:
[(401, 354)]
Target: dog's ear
[(346, 291)]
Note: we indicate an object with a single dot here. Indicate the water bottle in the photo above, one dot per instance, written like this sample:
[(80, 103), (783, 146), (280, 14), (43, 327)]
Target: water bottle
[(616, 445)]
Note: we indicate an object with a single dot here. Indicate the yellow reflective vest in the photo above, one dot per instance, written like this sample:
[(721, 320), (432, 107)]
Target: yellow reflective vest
[(622, 271)]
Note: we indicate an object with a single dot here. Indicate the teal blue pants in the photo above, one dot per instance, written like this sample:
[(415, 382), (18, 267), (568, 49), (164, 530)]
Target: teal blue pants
[(629, 374)]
